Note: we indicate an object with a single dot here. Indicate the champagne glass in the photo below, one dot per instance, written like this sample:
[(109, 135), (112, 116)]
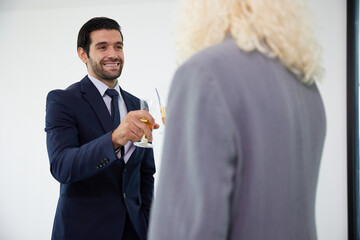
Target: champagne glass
[(162, 105), (144, 142)]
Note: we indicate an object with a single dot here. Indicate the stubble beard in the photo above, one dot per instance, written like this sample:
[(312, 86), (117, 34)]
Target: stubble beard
[(102, 74)]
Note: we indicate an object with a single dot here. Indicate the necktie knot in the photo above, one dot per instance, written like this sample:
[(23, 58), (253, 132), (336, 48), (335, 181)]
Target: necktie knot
[(112, 93)]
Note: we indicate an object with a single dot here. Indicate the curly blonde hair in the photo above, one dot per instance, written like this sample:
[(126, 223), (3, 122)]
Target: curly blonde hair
[(277, 28)]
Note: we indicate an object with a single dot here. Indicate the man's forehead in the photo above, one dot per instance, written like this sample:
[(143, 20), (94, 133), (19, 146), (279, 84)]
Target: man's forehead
[(104, 35)]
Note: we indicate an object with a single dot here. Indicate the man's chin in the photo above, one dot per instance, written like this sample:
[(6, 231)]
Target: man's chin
[(111, 77)]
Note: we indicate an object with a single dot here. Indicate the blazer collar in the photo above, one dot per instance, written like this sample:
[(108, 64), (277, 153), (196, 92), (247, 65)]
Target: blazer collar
[(93, 97)]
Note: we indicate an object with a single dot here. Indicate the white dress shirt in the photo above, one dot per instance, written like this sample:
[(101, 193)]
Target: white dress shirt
[(102, 87)]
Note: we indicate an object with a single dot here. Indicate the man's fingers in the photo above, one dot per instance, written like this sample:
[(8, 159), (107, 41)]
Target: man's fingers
[(136, 129), (145, 114), (144, 129), (132, 128)]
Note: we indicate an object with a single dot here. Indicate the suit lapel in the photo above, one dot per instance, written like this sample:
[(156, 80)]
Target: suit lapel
[(132, 103), (93, 97)]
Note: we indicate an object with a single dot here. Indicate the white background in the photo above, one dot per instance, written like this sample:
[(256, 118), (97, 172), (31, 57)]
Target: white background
[(38, 54)]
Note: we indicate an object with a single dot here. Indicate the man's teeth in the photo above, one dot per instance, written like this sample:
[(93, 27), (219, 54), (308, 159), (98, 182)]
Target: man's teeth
[(110, 64)]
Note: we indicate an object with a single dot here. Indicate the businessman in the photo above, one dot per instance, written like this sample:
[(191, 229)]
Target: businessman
[(106, 183)]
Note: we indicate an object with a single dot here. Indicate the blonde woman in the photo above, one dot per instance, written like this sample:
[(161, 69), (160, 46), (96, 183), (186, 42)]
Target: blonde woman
[(245, 127)]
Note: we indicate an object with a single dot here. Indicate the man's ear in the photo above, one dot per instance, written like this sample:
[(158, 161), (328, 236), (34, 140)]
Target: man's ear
[(82, 55)]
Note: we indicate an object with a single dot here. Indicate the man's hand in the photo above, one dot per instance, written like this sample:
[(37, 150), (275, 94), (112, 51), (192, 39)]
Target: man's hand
[(132, 129)]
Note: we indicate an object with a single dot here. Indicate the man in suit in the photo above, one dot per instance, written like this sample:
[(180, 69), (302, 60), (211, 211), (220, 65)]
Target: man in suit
[(106, 183), (245, 130)]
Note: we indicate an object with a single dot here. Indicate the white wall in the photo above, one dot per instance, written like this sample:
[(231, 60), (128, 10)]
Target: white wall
[(331, 204), (38, 54)]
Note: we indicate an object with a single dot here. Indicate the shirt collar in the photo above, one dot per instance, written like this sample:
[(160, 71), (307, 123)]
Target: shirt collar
[(102, 87)]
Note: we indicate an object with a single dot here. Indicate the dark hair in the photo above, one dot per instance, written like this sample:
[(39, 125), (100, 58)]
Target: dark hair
[(93, 24)]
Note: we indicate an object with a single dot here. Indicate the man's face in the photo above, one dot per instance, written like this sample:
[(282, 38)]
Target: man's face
[(106, 57)]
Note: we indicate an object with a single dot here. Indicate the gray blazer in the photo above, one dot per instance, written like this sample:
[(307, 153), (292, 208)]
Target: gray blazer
[(242, 150)]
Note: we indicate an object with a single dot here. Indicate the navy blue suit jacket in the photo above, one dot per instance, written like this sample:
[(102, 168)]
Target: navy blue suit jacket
[(96, 188)]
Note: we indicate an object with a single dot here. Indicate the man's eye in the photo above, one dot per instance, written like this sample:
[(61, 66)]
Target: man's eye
[(101, 47), (119, 47)]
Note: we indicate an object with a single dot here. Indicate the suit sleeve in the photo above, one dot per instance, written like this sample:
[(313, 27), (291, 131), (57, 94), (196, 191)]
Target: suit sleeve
[(70, 161), (197, 169)]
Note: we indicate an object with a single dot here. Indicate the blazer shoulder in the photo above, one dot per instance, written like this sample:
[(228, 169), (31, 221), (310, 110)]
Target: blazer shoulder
[(70, 93)]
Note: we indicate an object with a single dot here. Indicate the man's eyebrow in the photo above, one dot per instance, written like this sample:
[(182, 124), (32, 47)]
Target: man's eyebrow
[(104, 43)]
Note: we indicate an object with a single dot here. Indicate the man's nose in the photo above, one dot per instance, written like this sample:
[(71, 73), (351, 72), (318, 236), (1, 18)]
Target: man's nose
[(112, 53)]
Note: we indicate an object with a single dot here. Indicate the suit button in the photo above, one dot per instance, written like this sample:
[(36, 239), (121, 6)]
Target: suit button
[(124, 195), (124, 170)]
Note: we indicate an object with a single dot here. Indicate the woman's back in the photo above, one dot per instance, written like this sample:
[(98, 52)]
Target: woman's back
[(242, 150)]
